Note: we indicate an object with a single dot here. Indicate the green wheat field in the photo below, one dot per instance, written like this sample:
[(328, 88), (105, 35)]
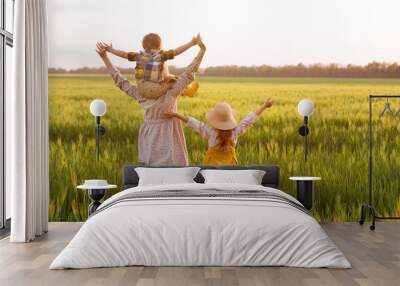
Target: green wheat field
[(338, 141)]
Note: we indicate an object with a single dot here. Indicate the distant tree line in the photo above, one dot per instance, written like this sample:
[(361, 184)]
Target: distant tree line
[(371, 70), (103, 70)]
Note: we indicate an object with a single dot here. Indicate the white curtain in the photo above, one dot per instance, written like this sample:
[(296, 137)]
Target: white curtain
[(27, 124)]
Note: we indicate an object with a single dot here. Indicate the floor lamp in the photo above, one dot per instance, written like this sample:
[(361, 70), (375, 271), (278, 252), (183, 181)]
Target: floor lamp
[(305, 109), (98, 108), (305, 184)]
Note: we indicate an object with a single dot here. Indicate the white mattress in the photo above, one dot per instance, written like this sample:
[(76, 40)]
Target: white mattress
[(202, 232)]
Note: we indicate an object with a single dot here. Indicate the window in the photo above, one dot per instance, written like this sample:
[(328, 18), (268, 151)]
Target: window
[(6, 62), (9, 11)]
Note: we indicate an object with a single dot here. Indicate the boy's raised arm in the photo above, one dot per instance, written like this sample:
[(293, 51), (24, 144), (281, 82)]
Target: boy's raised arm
[(122, 54), (185, 47)]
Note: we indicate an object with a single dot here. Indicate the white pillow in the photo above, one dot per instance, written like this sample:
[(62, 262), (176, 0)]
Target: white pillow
[(248, 177), (166, 176)]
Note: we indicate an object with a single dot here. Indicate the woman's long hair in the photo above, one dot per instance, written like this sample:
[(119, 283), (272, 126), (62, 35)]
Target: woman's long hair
[(224, 139)]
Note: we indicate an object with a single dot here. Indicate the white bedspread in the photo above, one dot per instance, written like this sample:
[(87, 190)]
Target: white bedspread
[(200, 231)]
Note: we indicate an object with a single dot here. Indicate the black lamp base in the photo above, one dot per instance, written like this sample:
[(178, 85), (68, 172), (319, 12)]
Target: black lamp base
[(96, 195), (305, 193)]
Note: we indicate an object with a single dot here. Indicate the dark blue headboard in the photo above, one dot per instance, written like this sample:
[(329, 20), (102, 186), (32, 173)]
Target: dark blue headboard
[(271, 177)]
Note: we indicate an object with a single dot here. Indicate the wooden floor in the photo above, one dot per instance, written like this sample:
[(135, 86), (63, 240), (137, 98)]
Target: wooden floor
[(375, 257)]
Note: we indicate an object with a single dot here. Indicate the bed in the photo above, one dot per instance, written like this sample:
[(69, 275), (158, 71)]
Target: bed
[(201, 224)]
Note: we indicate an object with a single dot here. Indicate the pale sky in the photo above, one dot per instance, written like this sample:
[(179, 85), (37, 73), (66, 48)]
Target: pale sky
[(245, 32)]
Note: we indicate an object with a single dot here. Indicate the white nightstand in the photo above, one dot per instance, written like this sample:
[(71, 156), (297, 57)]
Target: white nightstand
[(96, 189), (305, 190)]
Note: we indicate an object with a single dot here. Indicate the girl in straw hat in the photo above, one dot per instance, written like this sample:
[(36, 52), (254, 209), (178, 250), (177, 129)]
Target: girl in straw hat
[(224, 132)]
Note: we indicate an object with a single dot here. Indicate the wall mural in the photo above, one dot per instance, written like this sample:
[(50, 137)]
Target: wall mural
[(158, 114)]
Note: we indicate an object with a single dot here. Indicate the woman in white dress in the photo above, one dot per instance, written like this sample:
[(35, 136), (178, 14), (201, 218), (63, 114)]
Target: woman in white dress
[(161, 140)]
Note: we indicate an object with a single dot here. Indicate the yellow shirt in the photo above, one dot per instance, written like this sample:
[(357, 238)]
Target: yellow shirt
[(216, 157)]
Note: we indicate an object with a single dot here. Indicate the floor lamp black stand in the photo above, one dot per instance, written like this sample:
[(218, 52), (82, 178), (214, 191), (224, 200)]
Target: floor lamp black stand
[(98, 108), (100, 131), (368, 206), (304, 131), (97, 194), (305, 184)]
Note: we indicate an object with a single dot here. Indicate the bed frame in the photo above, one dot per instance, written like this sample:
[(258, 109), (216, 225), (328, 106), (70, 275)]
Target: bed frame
[(270, 179)]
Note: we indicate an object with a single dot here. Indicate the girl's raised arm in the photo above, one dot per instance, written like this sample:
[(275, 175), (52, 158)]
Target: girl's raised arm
[(122, 54), (267, 104), (244, 124), (197, 126), (252, 117)]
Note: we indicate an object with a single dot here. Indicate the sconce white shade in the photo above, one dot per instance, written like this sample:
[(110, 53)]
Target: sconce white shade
[(305, 107), (98, 107)]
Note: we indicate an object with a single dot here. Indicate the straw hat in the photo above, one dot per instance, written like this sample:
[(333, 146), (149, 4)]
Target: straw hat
[(222, 117)]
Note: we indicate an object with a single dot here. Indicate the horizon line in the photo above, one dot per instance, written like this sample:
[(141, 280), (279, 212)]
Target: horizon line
[(340, 65)]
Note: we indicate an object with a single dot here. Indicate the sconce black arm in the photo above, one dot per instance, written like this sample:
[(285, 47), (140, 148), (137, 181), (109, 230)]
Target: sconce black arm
[(100, 131), (304, 131)]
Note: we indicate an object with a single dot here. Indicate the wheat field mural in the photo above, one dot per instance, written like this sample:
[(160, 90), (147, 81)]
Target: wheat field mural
[(338, 141)]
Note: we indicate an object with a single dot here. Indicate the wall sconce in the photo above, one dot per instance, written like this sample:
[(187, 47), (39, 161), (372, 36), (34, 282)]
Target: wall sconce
[(305, 109), (98, 108)]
